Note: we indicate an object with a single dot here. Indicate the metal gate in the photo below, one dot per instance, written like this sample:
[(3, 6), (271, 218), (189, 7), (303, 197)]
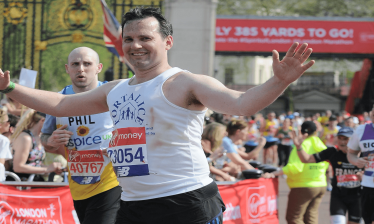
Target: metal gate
[(30, 27)]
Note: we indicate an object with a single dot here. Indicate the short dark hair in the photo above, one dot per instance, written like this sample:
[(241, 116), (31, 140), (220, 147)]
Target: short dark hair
[(165, 28)]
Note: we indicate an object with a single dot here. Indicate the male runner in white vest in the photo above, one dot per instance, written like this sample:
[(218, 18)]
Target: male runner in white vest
[(156, 149), (362, 141), (93, 184)]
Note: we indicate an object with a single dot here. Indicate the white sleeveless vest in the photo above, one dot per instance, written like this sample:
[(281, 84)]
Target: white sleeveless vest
[(156, 148)]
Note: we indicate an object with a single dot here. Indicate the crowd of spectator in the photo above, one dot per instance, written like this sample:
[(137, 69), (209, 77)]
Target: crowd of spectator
[(229, 142), (21, 151)]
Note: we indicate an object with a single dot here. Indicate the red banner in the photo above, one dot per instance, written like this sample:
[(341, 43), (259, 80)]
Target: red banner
[(251, 35), (250, 201), (36, 206)]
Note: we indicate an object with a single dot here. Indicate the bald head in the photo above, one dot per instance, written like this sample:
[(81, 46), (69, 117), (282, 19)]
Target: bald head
[(86, 51), (83, 68)]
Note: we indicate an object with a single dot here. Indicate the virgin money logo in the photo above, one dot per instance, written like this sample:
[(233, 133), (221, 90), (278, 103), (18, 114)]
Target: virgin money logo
[(114, 140), (254, 205), (74, 156), (6, 213)]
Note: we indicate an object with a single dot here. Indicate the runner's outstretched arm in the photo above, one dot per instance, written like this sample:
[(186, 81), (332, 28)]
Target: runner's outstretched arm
[(214, 95), (90, 102)]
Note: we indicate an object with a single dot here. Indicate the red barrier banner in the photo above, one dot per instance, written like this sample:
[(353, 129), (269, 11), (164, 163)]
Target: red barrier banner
[(252, 35), (250, 201), (36, 206)]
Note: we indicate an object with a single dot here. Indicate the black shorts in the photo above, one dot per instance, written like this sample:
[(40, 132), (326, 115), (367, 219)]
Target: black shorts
[(339, 205), (201, 206), (99, 209), (367, 198), (269, 144)]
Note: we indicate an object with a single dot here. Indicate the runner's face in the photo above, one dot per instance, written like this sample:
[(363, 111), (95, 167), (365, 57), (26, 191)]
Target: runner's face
[(83, 68), (143, 45), (342, 143)]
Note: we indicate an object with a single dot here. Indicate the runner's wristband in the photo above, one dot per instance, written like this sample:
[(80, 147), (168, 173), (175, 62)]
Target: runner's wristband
[(8, 89), (299, 149)]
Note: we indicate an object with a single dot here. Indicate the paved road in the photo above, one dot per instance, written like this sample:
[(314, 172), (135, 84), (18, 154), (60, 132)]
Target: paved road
[(324, 212)]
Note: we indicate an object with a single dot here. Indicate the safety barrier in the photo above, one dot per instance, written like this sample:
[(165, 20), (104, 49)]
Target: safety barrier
[(247, 201), (46, 202), (250, 201)]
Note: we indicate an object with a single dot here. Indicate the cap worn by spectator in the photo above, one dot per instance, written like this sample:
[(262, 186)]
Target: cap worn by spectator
[(308, 127), (296, 114), (346, 131)]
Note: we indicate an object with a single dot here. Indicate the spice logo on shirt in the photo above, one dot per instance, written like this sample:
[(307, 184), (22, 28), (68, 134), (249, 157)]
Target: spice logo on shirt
[(129, 108), (86, 133)]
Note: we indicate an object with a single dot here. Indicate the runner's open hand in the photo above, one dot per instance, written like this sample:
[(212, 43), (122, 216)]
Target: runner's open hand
[(4, 79), (291, 67), (297, 139), (59, 137)]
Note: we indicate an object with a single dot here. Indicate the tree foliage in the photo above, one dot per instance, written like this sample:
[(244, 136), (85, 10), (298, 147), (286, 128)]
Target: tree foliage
[(334, 8)]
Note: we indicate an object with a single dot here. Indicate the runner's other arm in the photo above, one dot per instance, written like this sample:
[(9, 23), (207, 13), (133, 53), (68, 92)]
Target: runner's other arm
[(214, 95)]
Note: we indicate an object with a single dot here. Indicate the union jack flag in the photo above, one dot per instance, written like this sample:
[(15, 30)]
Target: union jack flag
[(112, 32)]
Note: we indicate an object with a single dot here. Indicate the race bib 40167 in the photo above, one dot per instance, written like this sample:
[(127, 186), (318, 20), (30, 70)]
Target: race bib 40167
[(128, 152)]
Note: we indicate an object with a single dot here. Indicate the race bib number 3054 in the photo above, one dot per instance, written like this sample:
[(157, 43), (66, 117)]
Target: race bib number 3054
[(128, 152)]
